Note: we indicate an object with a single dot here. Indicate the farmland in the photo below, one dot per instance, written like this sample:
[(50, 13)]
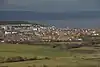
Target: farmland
[(77, 57)]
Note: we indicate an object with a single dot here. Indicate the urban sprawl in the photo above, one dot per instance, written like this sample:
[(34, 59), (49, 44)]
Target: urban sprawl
[(25, 32)]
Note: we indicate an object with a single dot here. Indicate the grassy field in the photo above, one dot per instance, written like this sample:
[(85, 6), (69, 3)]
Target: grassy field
[(78, 57)]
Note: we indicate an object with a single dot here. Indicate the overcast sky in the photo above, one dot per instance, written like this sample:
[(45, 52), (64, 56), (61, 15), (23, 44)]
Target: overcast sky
[(54, 6), (50, 5)]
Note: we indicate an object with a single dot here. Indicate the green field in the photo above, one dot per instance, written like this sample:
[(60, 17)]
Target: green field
[(78, 57)]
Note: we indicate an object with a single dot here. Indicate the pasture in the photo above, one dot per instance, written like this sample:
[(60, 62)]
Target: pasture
[(77, 57)]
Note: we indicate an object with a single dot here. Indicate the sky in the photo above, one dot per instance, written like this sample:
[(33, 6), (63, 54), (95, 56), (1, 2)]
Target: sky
[(54, 6), (50, 5)]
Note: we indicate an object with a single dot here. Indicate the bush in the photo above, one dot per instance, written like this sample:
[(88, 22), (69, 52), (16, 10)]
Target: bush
[(47, 58), (45, 65), (19, 59), (29, 66), (34, 58), (25, 58), (15, 59)]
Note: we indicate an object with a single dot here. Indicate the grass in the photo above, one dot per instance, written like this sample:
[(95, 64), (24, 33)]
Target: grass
[(69, 58)]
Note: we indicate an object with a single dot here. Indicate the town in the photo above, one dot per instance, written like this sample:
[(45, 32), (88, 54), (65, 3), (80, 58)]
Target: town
[(20, 31), (30, 44)]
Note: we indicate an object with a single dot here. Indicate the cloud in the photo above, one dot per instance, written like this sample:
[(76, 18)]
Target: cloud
[(1, 2), (52, 5)]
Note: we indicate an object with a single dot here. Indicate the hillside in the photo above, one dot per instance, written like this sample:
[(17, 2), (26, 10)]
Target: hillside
[(22, 22), (79, 57)]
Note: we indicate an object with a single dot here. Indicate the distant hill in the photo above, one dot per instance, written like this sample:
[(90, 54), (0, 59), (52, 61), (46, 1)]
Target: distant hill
[(14, 22), (21, 22)]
